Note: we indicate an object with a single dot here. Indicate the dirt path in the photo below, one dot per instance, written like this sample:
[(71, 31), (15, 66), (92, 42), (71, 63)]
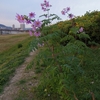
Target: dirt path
[(10, 91)]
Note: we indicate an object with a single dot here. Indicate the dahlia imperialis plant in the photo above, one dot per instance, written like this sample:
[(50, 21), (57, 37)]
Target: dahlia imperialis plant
[(37, 25)]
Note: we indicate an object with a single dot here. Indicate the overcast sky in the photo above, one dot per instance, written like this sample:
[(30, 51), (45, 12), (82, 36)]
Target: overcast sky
[(9, 8)]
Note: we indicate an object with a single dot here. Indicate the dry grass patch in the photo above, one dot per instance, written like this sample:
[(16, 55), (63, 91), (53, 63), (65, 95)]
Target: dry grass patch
[(7, 41)]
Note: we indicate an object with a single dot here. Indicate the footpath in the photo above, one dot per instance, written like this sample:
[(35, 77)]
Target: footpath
[(11, 90)]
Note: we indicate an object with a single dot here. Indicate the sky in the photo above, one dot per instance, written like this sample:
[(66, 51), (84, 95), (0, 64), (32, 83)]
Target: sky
[(9, 8)]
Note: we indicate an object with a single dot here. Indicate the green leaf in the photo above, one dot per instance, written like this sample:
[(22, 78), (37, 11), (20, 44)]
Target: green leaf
[(83, 35)]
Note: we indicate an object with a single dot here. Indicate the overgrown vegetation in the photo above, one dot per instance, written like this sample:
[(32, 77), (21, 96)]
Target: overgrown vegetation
[(71, 68), (90, 21)]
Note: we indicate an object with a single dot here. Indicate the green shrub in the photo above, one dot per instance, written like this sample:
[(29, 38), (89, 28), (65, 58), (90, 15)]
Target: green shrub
[(20, 45)]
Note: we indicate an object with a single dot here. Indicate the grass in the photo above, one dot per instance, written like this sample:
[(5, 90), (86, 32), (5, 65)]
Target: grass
[(11, 56), (7, 41)]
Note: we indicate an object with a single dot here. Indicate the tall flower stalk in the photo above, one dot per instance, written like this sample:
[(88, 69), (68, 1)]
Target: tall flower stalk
[(65, 61)]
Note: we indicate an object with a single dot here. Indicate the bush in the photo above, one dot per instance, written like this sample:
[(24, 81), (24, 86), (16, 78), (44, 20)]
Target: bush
[(20, 45)]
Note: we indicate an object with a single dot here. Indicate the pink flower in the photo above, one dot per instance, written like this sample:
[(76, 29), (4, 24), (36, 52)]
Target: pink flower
[(33, 27), (20, 18), (81, 29), (28, 22), (31, 15), (37, 34), (67, 9), (42, 4), (37, 23), (30, 32), (45, 1), (45, 5), (70, 16), (63, 12), (44, 9)]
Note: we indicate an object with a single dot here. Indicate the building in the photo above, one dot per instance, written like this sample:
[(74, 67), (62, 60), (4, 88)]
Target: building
[(13, 26), (22, 26)]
